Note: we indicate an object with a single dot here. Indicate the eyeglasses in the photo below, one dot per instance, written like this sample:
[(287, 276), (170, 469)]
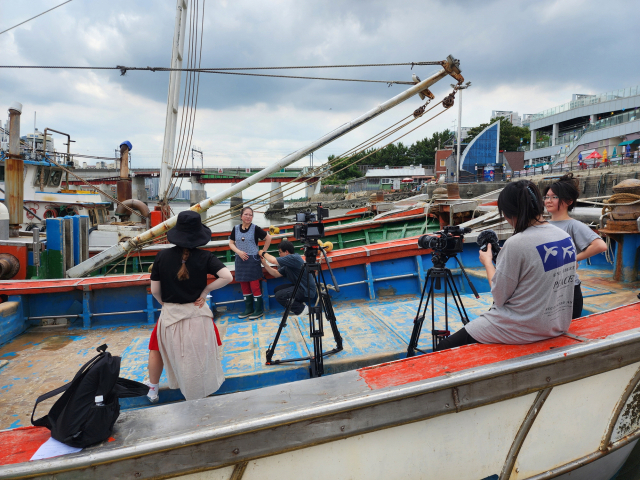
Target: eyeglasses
[(545, 198)]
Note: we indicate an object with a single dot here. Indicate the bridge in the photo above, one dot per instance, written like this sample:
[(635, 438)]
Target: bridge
[(109, 176), (198, 177)]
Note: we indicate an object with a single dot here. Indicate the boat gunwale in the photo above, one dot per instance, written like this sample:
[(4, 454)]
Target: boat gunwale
[(357, 403)]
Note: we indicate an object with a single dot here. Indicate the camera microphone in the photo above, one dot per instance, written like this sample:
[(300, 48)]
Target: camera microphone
[(489, 237)]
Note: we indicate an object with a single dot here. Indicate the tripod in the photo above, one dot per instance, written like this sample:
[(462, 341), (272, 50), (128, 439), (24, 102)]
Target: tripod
[(435, 277), (312, 269)]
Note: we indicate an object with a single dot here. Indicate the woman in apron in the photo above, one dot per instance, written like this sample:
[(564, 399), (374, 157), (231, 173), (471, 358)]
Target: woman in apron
[(244, 242)]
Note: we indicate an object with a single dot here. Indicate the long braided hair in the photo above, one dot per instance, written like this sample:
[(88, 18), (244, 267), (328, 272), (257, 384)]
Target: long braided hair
[(183, 273)]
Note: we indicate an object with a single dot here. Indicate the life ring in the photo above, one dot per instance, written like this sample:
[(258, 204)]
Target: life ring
[(50, 213)]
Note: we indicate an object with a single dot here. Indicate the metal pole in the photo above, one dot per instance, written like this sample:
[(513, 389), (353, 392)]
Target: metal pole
[(33, 148), (119, 250), (166, 167), (459, 133), (14, 172)]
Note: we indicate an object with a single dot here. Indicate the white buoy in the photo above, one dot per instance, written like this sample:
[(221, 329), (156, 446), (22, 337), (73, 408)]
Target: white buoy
[(4, 222)]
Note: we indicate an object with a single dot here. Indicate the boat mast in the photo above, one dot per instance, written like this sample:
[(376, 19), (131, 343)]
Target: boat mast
[(171, 121), (450, 67)]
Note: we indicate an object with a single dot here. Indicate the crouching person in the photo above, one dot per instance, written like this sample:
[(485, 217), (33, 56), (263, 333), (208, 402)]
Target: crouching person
[(289, 265), (187, 339)]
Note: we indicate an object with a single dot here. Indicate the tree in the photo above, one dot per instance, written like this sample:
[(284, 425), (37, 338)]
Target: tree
[(510, 135)]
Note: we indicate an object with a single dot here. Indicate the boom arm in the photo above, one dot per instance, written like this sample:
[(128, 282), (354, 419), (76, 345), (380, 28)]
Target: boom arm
[(450, 66)]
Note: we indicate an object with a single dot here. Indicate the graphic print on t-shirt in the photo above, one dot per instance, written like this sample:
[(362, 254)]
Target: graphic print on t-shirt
[(557, 254)]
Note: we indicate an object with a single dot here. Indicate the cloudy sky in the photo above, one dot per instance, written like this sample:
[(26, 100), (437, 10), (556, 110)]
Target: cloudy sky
[(520, 55)]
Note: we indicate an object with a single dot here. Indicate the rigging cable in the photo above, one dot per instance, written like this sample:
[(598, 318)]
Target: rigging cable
[(40, 14), (194, 97), (219, 218)]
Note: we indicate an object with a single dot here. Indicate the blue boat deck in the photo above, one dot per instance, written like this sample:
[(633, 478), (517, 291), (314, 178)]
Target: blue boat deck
[(373, 331)]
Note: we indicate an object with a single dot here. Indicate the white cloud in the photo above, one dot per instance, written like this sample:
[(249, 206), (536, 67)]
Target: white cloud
[(525, 56)]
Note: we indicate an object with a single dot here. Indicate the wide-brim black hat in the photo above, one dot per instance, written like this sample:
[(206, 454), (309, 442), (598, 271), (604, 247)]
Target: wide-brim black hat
[(189, 231)]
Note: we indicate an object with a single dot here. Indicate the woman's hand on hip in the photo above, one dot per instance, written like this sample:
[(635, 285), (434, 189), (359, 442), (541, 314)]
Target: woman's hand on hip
[(199, 302), (244, 255)]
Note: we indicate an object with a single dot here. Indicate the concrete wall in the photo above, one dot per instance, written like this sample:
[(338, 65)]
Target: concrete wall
[(593, 182)]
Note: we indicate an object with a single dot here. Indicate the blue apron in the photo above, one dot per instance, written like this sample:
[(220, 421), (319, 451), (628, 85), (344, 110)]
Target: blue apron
[(250, 269)]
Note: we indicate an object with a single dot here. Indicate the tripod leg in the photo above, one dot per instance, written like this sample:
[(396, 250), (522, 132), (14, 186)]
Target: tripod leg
[(283, 322), (330, 314), (457, 298), (419, 320)]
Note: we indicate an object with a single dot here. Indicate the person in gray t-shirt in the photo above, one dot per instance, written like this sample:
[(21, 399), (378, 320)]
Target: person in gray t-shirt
[(532, 282), (559, 200)]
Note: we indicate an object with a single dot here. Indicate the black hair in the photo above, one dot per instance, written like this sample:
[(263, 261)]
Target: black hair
[(566, 189), (286, 246), (521, 200), (246, 208)]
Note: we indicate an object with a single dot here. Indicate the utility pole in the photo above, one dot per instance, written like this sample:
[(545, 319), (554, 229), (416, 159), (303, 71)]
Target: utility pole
[(459, 88), (168, 147)]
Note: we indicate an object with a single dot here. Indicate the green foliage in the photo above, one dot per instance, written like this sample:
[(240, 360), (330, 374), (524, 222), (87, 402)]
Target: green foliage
[(509, 135)]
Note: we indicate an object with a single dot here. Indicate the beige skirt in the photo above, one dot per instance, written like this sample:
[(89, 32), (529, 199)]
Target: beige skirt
[(189, 349)]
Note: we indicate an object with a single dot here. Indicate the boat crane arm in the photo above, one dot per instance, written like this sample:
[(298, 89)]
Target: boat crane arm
[(450, 67)]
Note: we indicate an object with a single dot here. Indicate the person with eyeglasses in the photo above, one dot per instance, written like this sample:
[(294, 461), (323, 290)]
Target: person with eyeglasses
[(532, 280), (559, 200)]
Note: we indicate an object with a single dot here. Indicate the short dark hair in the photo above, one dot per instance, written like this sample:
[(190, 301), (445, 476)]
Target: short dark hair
[(521, 200), (286, 246), (566, 189)]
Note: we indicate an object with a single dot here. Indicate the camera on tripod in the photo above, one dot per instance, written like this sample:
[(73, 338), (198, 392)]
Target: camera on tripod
[(449, 240), (309, 227)]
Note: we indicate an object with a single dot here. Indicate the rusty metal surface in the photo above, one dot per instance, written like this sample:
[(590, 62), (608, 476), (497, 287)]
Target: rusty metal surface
[(14, 179)]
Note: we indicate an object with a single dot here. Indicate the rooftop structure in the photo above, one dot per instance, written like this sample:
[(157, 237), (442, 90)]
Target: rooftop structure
[(606, 119), (513, 117)]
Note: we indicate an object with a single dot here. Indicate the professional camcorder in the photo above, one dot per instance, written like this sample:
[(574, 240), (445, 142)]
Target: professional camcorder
[(448, 241), (309, 227)]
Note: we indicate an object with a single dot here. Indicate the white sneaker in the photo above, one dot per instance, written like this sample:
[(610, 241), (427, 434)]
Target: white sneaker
[(153, 395), (304, 312)]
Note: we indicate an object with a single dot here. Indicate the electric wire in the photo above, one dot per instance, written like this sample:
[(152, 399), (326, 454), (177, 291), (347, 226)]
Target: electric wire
[(169, 69), (32, 18)]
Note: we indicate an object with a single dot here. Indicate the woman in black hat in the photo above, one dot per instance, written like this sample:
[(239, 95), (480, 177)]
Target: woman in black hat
[(185, 339)]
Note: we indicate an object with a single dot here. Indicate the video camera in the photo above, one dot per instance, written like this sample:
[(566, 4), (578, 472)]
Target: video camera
[(309, 227), (448, 241)]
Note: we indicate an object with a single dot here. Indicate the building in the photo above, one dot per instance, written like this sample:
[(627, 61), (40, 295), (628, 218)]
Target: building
[(513, 117), (608, 121), (441, 161), (390, 178), (483, 150)]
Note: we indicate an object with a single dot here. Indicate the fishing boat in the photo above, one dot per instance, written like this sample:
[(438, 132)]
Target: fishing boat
[(348, 234), (46, 196), (541, 410)]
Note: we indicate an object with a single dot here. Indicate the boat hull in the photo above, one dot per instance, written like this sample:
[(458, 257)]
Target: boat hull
[(531, 411)]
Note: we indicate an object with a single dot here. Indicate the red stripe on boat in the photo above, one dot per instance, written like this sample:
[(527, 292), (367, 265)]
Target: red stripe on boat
[(19, 444), (437, 364)]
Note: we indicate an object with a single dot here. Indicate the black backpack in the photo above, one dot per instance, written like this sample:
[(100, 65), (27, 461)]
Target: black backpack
[(88, 409)]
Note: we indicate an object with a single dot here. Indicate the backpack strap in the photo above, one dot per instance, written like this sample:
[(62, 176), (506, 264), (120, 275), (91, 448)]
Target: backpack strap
[(44, 421)]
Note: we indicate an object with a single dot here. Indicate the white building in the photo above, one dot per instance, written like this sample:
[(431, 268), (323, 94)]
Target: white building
[(391, 177), (513, 117)]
